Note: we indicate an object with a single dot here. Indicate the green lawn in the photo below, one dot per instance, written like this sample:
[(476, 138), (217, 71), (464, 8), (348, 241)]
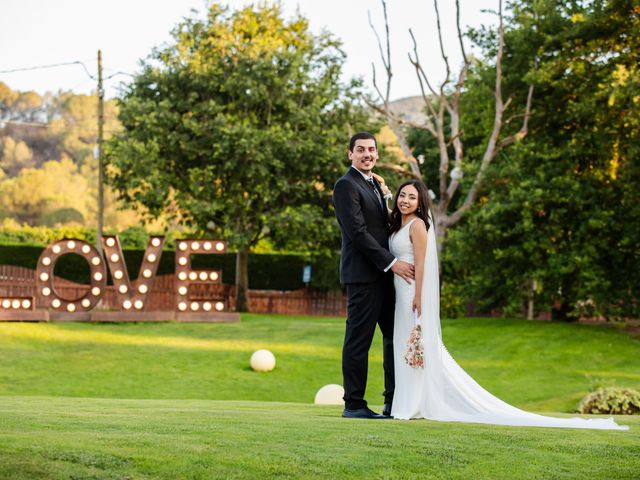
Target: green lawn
[(534, 365), (62, 438), (179, 401)]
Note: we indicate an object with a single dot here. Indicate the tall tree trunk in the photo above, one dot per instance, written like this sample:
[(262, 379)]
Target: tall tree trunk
[(242, 279), (531, 299)]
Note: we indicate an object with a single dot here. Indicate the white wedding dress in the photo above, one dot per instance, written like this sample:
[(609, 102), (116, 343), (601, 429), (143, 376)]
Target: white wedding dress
[(443, 391)]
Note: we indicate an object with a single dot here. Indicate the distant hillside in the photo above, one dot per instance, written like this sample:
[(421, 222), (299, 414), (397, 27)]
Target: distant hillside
[(411, 108)]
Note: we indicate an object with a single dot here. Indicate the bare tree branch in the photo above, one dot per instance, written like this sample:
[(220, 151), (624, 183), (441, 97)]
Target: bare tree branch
[(375, 32), (375, 84), (454, 138), (394, 122), (492, 147), (454, 113), (442, 112), (398, 169), (419, 71), (464, 54), (524, 129), (385, 61), (444, 56)]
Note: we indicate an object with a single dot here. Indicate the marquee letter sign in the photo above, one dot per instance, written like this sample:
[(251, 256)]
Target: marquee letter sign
[(132, 296), (185, 277), (45, 288)]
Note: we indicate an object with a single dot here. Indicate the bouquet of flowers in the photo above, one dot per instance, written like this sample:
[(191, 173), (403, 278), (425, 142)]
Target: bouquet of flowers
[(414, 356)]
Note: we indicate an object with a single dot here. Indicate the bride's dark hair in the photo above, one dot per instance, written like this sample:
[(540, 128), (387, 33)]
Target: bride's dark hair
[(423, 206)]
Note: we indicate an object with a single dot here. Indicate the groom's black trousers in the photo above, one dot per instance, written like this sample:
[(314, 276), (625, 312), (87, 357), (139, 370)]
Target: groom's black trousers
[(368, 304)]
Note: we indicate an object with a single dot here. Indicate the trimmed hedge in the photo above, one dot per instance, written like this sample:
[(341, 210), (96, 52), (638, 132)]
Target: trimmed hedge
[(132, 237), (266, 271)]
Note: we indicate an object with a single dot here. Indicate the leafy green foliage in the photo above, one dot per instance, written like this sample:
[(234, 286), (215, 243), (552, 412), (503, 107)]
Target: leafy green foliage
[(558, 220), (615, 401), (451, 303), (239, 126), (131, 238)]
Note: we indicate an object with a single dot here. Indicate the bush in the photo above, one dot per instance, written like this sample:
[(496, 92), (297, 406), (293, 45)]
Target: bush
[(14, 234), (266, 271), (22, 245), (451, 301), (617, 401), (62, 216)]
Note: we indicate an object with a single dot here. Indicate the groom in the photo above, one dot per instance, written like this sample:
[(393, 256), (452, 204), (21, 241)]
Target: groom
[(366, 267)]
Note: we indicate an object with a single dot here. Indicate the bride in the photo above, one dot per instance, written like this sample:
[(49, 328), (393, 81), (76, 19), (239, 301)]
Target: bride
[(440, 389)]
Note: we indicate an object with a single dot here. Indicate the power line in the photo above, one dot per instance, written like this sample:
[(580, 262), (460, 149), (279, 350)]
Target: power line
[(77, 62), (119, 73), (116, 73), (52, 65), (62, 128), (87, 71)]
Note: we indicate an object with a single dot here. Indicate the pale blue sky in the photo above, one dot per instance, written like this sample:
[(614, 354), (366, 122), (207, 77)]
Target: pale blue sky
[(41, 32)]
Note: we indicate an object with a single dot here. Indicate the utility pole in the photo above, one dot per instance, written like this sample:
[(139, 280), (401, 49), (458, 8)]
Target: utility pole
[(100, 156)]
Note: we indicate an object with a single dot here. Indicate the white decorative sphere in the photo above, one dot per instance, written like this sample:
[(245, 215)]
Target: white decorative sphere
[(330, 395), (263, 361)]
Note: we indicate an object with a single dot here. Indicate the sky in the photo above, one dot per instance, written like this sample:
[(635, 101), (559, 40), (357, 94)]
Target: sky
[(44, 32)]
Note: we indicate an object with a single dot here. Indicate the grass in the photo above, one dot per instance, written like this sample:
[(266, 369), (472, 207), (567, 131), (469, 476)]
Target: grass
[(534, 365), (179, 401), (46, 437)]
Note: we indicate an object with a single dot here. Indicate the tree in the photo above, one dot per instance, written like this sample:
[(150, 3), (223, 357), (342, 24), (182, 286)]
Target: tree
[(562, 223), (35, 130), (238, 129), (35, 192), (443, 107), (24, 106), (14, 156), (7, 99)]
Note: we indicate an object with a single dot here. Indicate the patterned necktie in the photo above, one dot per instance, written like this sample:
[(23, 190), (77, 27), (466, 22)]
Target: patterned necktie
[(373, 185)]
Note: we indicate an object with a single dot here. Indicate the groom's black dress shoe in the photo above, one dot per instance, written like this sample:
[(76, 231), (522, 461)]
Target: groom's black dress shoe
[(362, 413), (386, 411)]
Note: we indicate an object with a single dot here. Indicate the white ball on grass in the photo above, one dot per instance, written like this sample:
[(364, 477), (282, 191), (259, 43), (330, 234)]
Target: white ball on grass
[(330, 395), (263, 361)]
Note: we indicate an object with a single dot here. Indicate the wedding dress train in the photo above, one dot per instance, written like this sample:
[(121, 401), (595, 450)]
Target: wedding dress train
[(442, 390)]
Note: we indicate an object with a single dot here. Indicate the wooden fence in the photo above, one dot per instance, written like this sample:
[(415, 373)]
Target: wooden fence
[(20, 281)]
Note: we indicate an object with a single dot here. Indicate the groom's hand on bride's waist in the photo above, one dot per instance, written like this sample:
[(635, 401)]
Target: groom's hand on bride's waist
[(404, 270)]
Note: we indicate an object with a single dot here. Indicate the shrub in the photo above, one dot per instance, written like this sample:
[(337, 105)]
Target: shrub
[(272, 271), (13, 234), (62, 216), (618, 401), (22, 245), (451, 301)]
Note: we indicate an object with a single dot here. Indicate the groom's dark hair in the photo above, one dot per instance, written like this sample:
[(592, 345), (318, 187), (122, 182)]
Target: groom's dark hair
[(361, 136)]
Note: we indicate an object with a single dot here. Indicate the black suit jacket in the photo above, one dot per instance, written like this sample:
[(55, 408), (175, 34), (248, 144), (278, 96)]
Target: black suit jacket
[(364, 224)]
